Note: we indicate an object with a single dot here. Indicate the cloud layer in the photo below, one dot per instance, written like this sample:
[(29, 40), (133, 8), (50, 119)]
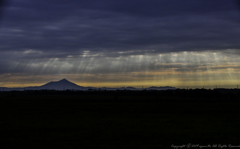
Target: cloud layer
[(117, 37), (162, 26)]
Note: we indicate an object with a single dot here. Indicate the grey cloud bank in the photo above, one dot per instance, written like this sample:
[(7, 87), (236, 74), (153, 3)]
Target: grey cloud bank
[(112, 37), (162, 26)]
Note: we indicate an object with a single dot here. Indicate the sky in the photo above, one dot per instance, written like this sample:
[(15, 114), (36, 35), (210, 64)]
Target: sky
[(112, 43)]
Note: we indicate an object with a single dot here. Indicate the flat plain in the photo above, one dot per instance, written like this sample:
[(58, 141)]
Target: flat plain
[(67, 120)]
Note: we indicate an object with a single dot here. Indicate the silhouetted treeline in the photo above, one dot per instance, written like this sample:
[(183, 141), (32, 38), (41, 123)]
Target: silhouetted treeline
[(216, 94)]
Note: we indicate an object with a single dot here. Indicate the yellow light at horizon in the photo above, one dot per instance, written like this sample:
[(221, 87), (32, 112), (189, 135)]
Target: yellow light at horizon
[(166, 69)]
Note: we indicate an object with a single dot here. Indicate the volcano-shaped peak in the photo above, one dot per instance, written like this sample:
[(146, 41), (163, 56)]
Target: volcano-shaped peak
[(63, 84), (63, 80)]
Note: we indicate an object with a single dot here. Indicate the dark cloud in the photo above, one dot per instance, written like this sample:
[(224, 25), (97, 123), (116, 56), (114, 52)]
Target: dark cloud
[(238, 3), (41, 30), (3, 4)]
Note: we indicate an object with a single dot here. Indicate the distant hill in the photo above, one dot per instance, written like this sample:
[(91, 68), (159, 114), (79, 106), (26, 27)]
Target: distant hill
[(161, 88), (64, 84)]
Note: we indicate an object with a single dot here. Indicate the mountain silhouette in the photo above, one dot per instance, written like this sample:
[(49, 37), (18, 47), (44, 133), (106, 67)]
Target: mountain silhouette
[(63, 84)]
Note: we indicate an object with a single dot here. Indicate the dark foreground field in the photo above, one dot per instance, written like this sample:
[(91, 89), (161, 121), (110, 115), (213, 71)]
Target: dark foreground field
[(116, 121)]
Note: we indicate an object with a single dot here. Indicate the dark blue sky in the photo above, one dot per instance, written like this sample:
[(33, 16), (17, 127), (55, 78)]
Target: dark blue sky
[(163, 25)]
